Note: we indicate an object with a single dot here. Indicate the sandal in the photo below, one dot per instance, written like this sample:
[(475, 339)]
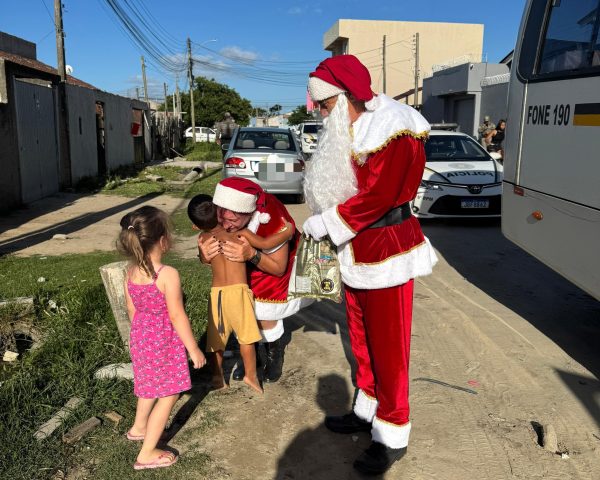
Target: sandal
[(157, 463), (134, 438)]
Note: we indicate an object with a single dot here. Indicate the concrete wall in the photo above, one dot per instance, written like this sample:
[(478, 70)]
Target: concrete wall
[(118, 117), (494, 102), (17, 46), (433, 107), (82, 132), (10, 180), (438, 43), (454, 95)]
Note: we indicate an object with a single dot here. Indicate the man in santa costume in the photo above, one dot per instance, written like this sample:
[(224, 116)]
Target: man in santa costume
[(359, 185), (243, 204)]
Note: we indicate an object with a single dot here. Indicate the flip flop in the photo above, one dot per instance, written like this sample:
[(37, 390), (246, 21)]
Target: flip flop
[(134, 438), (157, 463)]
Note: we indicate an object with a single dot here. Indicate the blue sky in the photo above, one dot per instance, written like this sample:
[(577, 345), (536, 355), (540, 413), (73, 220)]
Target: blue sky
[(275, 43)]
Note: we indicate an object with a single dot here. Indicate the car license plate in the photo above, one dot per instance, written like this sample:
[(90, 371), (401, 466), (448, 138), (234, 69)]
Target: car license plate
[(474, 203)]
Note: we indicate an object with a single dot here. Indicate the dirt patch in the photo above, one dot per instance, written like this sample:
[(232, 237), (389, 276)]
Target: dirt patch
[(91, 223)]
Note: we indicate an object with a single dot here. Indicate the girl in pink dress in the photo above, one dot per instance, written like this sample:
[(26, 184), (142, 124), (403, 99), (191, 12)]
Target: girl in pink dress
[(160, 331)]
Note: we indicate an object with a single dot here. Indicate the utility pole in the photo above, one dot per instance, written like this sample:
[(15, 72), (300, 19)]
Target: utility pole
[(60, 40), (384, 89), (137, 92), (191, 77), (177, 100), (64, 148), (416, 96), (144, 79), (166, 106)]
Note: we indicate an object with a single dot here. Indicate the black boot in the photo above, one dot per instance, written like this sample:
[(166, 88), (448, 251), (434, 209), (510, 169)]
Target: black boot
[(274, 361), (378, 458), (348, 423), (239, 372)]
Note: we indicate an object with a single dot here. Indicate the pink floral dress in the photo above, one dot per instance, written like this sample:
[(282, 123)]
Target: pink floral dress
[(160, 365)]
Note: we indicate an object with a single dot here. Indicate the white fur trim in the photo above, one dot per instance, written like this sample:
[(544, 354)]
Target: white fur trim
[(234, 200), (374, 103), (337, 230), (272, 334), (383, 119), (365, 407), (396, 270), (254, 222), (320, 89), (279, 310), (264, 217), (393, 436)]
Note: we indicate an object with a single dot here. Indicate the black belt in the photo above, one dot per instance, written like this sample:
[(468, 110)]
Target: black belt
[(394, 217)]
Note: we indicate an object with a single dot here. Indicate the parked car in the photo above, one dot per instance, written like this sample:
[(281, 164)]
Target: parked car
[(461, 179), (309, 135), (203, 134), (270, 157)]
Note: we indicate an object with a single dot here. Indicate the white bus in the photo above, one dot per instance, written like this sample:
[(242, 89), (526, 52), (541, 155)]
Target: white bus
[(551, 190)]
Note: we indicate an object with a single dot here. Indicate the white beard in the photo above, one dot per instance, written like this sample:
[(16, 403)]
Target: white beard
[(330, 178)]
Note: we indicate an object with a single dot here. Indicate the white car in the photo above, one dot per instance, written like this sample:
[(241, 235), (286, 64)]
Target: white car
[(203, 134), (309, 136), (461, 179)]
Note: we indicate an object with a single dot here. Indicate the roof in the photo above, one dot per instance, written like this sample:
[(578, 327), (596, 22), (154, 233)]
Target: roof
[(265, 129), (42, 67), (448, 132)]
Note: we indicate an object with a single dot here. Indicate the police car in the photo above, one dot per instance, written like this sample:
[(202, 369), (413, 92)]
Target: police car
[(461, 179)]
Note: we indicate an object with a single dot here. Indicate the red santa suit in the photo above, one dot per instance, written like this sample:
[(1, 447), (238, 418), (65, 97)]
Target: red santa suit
[(270, 291), (378, 265)]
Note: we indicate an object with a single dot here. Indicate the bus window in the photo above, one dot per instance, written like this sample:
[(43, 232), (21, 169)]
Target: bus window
[(571, 41)]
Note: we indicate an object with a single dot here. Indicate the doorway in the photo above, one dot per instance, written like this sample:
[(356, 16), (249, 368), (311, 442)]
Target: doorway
[(101, 139)]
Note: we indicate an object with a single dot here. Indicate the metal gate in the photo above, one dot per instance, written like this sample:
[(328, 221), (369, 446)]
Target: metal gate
[(37, 135), (464, 111)]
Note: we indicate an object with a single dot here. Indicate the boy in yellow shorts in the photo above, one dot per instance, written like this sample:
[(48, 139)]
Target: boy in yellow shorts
[(231, 305)]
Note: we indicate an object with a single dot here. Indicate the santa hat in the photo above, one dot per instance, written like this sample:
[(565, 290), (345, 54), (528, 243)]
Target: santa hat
[(339, 74), (242, 196)]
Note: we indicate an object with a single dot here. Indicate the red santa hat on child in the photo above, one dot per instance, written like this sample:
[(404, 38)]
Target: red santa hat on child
[(339, 74), (242, 196)]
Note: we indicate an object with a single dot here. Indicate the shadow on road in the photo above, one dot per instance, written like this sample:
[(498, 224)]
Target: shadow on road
[(51, 204), (324, 316), (317, 453), (479, 252)]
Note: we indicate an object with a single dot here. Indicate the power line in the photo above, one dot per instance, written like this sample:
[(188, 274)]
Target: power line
[(49, 14)]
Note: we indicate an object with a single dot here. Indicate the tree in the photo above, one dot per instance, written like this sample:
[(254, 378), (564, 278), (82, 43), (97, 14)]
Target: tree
[(275, 109), (260, 112), (211, 100), (299, 115)]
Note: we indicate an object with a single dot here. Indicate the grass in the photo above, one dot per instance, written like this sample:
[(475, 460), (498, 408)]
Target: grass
[(202, 151), (80, 337), (180, 219)]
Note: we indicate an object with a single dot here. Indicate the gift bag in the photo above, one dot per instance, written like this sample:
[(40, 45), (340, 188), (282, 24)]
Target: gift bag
[(316, 271)]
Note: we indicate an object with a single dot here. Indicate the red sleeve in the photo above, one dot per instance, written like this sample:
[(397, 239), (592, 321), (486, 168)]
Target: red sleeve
[(392, 178)]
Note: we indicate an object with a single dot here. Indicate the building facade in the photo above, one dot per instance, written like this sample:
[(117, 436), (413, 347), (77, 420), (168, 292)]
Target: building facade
[(464, 94), (47, 144), (438, 44)]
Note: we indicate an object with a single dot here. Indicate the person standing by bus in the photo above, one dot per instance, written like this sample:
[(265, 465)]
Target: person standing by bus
[(495, 137)]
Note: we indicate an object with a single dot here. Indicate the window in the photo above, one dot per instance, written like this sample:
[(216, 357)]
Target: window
[(571, 41), (256, 139), (444, 148), (312, 128)]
